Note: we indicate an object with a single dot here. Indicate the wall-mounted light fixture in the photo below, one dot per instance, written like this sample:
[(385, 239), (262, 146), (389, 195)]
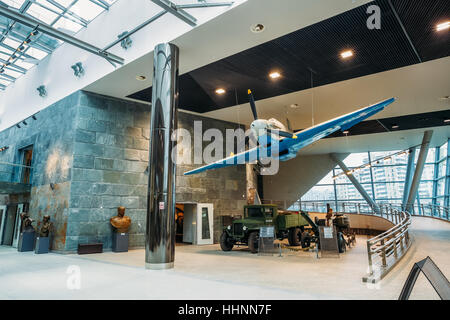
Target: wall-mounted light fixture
[(42, 91), (24, 122), (18, 126), (78, 69), (33, 117), (126, 43)]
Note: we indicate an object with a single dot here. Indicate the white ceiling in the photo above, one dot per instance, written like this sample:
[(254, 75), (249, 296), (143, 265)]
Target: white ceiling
[(224, 36)]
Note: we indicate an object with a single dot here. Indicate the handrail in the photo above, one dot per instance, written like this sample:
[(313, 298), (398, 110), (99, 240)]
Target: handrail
[(423, 210), (385, 250)]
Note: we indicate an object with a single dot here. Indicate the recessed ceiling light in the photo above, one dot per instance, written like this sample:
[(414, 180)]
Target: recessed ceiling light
[(346, 132), (395, 126), (275, 75), (347, 54), (443, 26), (257, 28), (447, 120), (220, 91), (141, 78)]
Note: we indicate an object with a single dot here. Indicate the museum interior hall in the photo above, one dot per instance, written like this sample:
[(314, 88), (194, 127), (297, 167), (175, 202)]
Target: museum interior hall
[(225, 149)]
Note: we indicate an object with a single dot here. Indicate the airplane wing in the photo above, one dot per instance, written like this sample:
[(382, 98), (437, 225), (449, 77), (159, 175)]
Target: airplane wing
[(288, 148)]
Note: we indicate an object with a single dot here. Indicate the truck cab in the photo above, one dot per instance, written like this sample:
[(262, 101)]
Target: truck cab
[(245, 231)]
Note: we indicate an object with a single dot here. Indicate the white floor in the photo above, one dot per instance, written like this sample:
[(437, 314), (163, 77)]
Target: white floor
[(208, 273)]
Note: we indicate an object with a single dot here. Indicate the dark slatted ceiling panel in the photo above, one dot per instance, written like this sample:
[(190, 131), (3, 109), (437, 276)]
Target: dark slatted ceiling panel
[(420, 19), (311, 56)]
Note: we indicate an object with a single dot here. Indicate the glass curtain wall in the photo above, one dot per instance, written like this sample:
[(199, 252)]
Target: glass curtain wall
[(385, 180)]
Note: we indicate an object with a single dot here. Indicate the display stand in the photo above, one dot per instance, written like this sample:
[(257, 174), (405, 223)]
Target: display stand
[(120, 242), (42, 245), (266, 246), (328, 242), (26, 241)]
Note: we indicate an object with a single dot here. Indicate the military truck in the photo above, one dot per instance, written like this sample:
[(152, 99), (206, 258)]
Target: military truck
[(245, 231)]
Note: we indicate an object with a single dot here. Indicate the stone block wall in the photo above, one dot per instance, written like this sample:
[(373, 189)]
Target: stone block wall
[(110, 160), (51, 135), (94, 151)]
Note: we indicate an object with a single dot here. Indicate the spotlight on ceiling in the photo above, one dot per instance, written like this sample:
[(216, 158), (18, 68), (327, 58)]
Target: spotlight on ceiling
[(24, 122), (18, 126), (275, 75), (257, 28), (220, 91), (347, 54), (141, 78), (33, 117), (443, 26)]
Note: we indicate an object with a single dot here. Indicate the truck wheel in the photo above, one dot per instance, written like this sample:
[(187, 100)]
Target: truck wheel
[(341, 243), (294, 237), (225, 242), (306, 240), (253, 239)]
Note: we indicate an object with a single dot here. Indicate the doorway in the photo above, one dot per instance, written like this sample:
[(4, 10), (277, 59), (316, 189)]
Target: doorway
[(17, 225), (8, 224), (27, 161), (2, 221), (194, 223)]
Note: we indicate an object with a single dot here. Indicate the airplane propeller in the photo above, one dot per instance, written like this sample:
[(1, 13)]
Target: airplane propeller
[(259, 124), (252, 104)]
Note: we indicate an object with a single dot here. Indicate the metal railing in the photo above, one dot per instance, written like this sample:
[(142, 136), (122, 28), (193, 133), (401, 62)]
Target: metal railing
[(385, 250), (15, 173), (425, 210)]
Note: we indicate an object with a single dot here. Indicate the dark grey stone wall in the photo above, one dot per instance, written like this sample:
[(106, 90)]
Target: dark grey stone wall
[(110, 159), (95, 150), (51, 135)]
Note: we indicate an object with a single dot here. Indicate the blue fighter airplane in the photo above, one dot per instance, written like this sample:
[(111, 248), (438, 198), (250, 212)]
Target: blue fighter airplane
[(289, 144)]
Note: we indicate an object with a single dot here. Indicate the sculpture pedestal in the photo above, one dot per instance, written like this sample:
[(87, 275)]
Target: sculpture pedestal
[(26, 242), (42, 245), (120, 242)]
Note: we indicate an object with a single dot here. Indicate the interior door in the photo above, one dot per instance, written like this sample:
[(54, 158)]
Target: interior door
[(2, 222), (205, 220), (17, 225)]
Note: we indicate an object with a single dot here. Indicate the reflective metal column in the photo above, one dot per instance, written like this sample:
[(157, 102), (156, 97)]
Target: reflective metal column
[(160, 233)]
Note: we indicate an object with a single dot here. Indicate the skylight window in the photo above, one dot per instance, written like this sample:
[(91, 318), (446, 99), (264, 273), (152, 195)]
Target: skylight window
[(14, 3), (42, 14), (86, 9), (69, 16), (67, 26)]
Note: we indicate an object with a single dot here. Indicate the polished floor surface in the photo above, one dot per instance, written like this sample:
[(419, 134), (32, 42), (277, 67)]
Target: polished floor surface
[(205, 272)]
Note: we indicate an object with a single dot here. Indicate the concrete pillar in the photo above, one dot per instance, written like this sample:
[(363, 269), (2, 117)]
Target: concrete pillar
[(355, 182), (252, 185), (419, 169), (409, 176), (160, 232)]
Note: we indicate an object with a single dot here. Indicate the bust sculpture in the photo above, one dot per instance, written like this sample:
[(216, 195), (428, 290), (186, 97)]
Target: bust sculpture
[(121, 222), (45, 227), (26, 222)]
